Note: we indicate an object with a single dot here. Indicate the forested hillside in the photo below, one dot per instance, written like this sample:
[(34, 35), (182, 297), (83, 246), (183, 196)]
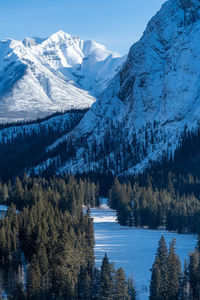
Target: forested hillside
[(46, 245), (23, 145), (167, 194)]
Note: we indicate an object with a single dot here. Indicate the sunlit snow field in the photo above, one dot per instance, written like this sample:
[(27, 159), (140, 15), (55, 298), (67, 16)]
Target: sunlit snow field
[(132, 248)]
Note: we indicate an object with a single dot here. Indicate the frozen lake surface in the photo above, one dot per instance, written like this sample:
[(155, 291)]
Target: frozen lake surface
[(133, 248), (3, 210)]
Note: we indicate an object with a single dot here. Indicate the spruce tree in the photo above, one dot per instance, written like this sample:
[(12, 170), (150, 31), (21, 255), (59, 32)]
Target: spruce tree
[(96, 284), (194, 275), (185, 285), (174, 272), (120, 286), (155, 280), (162, 255), (159, 279), (33, 280), (131, 289), (84, 284), (106, 279)]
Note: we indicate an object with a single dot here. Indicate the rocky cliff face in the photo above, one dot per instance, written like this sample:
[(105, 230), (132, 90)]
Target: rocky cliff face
[(142, 113)]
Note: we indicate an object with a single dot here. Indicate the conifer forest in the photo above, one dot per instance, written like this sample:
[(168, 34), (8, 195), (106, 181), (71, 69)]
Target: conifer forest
[(100, 150)]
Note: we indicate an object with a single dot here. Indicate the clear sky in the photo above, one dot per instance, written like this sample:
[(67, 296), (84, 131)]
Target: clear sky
[(115, 23)]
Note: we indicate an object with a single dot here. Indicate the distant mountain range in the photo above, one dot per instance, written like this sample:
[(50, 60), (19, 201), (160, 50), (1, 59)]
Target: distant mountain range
[(141, 113), (41, 76)]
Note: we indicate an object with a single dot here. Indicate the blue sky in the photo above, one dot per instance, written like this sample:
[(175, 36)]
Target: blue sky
[(115, 23)]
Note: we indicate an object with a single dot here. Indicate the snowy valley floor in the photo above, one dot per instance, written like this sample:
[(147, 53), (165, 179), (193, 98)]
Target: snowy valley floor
[(132, 248)]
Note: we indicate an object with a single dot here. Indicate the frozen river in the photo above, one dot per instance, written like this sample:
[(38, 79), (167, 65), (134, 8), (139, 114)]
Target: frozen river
[(132, 248)]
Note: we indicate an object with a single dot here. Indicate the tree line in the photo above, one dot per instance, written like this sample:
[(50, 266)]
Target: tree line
[(168, 281), (152, 207), (47, 243)]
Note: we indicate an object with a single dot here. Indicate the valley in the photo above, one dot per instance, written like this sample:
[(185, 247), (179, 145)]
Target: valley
[(133, 248), (83, 126)]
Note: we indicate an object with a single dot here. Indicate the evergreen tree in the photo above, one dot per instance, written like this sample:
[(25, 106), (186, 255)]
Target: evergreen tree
[(185, 286), (84, 285), (159, 279), (96, 284), (174, 273), (155, 280), (162, 255), (106, 279), (194, 275), (131, 289), (33, 280), (120, 286)]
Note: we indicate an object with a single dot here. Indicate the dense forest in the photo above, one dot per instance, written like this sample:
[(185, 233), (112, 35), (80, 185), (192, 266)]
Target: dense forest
[(167, 194), (147, 206), (47, 240), (168, 281), (119, 152), (23, 145), (46, 243)]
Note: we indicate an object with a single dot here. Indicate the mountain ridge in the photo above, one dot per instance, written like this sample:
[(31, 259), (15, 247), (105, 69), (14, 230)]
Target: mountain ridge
[(143, 112), (43, 76)]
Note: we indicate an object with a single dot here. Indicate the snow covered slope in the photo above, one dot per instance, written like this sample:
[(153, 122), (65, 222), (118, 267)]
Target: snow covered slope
[(144, 110), (133, 249), (42, 76)]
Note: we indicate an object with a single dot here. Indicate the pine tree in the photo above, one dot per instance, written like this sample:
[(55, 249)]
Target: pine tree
[(120, 286), (18, 193), (33, 280), (114, 194), (159, 278), (106, 279), (42, 258), (174, 272), (3, 193), (96, 284), (131, 289), (155, 280), (185, 285), (162, 255), (194, 275), (84, 284), (3, 246)]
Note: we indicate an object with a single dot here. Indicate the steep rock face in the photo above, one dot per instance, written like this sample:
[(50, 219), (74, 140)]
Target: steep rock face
[(42, 76), (142, 113)]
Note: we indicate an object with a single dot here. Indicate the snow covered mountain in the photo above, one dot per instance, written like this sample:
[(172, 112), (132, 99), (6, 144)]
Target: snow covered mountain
[(41, 76), (143, 112)]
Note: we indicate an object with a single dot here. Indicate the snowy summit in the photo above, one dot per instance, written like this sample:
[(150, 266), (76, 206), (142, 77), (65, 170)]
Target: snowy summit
[(42, 76), (143, 112)]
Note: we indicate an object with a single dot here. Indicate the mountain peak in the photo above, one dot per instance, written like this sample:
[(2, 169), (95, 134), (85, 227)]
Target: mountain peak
[(61, 72), (145, 108), (62, 33), (60, 36)]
